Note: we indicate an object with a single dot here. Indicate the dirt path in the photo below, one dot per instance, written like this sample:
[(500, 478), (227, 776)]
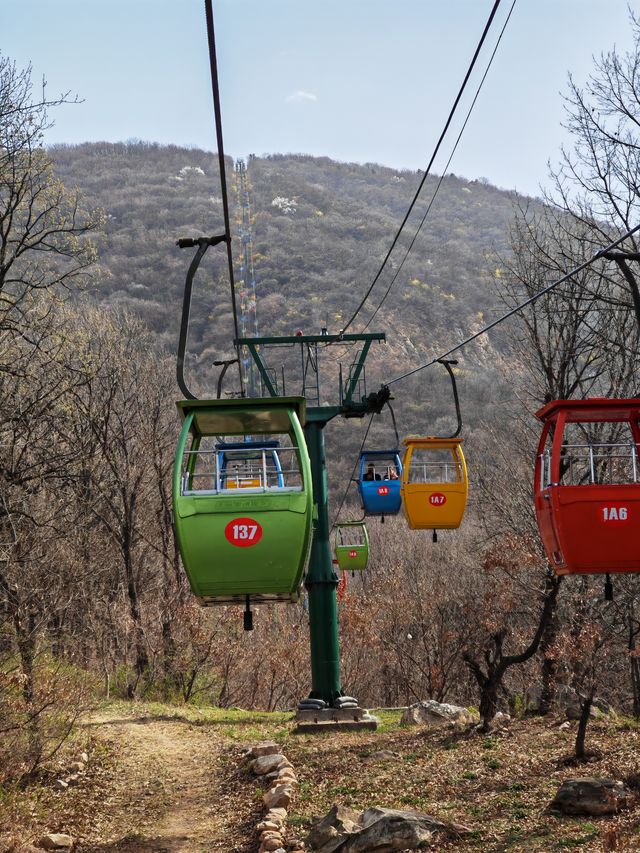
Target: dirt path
[(173, 786)]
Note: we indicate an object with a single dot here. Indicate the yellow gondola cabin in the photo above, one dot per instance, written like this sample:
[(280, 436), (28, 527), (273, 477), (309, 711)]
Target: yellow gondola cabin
[(434, 483)]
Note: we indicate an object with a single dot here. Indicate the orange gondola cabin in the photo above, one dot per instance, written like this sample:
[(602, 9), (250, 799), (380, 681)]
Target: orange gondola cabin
[(587, 485)]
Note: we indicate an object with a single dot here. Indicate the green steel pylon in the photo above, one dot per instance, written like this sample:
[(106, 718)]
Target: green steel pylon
[(321, 581)]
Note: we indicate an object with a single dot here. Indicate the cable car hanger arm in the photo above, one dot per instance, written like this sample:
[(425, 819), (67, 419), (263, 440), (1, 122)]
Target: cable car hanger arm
[(203, 244), (449, 363)]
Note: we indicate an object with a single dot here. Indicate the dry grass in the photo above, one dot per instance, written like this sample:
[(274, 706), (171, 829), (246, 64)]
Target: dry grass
[(165, 779), (498, 785)]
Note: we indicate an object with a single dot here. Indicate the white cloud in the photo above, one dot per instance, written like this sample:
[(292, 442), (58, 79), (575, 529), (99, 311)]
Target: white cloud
[(300, 97)]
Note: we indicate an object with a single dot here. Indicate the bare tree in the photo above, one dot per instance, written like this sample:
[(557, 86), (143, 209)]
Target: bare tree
[(43, 250), (598, 176), (43, 226)]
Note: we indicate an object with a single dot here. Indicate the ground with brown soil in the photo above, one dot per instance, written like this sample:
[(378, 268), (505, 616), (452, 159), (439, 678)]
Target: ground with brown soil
[(171, 779), (155, 783)]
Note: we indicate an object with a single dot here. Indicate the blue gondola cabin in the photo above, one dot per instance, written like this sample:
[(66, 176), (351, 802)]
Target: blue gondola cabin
[(379, 482)]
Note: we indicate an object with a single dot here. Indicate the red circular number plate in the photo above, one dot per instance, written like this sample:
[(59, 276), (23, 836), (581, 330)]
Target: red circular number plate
[(437, 499), (353, 553), (243, 532), (383, 490)]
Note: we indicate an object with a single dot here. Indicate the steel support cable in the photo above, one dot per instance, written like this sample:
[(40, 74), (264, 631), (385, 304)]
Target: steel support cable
[(213, 62), (444, 171), (485, 32), (350, 480), (599, 254)]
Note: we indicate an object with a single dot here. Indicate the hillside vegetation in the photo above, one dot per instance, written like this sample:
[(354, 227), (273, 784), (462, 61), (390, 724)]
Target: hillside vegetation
[(321, 229)]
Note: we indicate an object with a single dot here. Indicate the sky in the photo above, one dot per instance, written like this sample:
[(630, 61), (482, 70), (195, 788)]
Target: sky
[(354, 80)]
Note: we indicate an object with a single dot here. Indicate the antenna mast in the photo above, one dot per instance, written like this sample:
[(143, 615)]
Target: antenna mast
[(247, 282)]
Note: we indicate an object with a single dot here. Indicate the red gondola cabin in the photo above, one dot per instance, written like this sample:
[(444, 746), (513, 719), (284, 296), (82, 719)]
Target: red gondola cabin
[(587, 485)]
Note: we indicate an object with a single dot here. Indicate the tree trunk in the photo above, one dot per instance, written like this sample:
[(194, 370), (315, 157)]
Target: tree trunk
[(141, 657), (497, 663), (548, 667), (489, 697), (585, 712), (25, 636), (634, 663)]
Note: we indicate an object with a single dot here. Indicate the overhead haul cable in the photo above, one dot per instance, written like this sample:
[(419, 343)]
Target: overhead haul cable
[(223, 175), (444, 171), (599, 254), (431, 161)]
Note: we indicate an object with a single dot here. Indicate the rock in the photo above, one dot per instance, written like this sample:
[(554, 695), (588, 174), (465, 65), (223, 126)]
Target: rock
[(382, 755), (60, 785), (533, 697), (270, 844), (399, 830), (564, 727), (270, 835), (565, 698), (573, 710), (76, 767), (589, 796), (430, 712), (267, 747), (377, 829), (276, 814), (500, 720), (268, 824), (269, 764), (84, 757), (56, 841), (278, 797), (285, 772), (331, 830)]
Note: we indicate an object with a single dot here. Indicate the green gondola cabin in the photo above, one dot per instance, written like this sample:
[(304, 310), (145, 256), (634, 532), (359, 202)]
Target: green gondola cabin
[(243, 507), (352, 546)]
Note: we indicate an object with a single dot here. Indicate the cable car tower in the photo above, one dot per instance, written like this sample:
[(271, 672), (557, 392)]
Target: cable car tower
[(326, 702), (246, 284)]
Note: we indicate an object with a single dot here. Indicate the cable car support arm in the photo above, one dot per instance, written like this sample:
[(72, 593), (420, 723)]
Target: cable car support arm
[(203, 244), (449, 364)]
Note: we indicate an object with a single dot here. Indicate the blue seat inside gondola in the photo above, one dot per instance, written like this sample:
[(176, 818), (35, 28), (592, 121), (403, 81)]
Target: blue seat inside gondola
[(249, 464), (379, 481)]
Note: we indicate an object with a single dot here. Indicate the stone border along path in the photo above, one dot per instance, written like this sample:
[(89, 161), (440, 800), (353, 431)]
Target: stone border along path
[(268, 763)]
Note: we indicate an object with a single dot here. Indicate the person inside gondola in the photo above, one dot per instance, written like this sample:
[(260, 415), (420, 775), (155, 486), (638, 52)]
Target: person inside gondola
[(370, 473), (392, 474)]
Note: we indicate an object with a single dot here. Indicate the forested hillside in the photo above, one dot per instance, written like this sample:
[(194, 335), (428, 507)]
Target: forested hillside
[(537, 645), (321, 229)]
